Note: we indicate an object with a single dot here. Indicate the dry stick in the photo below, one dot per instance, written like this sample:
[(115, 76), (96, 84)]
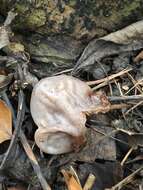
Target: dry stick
[(33, 161), (18, 124), (27, 147), (125, 98), (105, 135), (135, 83), (126, 156), (101, 85), (107, 79), (62, 72), (132, 108), (126, 180), (112, 107), (109, 135)]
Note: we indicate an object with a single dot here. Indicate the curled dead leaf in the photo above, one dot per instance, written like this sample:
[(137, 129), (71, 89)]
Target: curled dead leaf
[(5, 122)]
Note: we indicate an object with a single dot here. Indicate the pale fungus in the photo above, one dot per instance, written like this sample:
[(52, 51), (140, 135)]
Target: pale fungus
[(58, 106)]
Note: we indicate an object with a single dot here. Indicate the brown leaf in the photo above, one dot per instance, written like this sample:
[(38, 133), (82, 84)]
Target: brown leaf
[(5, 122), (71, 182), (16, 188)]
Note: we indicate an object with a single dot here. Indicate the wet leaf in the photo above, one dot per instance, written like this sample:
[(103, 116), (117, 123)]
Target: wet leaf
[(97, 50), (70, 180), (5, 122)]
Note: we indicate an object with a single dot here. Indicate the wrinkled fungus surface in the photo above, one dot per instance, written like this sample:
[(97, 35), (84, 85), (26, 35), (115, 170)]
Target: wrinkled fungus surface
[(58, 106)]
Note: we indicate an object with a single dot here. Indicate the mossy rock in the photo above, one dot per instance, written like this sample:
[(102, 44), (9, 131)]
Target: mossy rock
[(81, 19)]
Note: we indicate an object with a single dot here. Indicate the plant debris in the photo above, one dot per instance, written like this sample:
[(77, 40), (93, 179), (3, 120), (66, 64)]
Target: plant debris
[(88, 106), (5, 122)]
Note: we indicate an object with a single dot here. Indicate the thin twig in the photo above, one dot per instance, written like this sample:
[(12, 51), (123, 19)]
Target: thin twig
[(62, 72), (126, 156), (109, 135), (132, 108), (105, 135), (26, 145), (126, 180), (111, 107), (125, 98), (102, 85), (135, 83), (33, 161), (18, 124), (107, 79)]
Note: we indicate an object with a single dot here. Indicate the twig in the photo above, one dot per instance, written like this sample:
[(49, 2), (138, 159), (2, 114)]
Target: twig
[(33, 161), (119, 88), (111, 107), (27, 147), (109, 135), (105, 135), (107, 79), (102, 85), (18, 124), (127, 155), (62, 72), (25, 143), (132, 108), (135, 83), (118, 106), (125, 98), (126, 180)]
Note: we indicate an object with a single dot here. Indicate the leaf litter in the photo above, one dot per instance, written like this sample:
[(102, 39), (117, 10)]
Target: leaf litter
[(111, 157), (5, 122)]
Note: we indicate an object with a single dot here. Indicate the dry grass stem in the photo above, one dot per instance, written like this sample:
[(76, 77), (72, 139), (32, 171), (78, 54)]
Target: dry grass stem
[(132, 108), (127, 155), (107, 79)]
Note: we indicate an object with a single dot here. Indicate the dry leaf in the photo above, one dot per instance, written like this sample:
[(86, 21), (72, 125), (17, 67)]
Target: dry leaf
[(89, 182), (5, 122), (139, 57), (18, 187), (4, 39), (71, 182)]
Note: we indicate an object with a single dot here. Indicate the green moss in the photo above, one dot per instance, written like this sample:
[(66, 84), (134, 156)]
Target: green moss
[(72, 3), (36, 19), (130, 7), (21, 8), (126, 11)]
